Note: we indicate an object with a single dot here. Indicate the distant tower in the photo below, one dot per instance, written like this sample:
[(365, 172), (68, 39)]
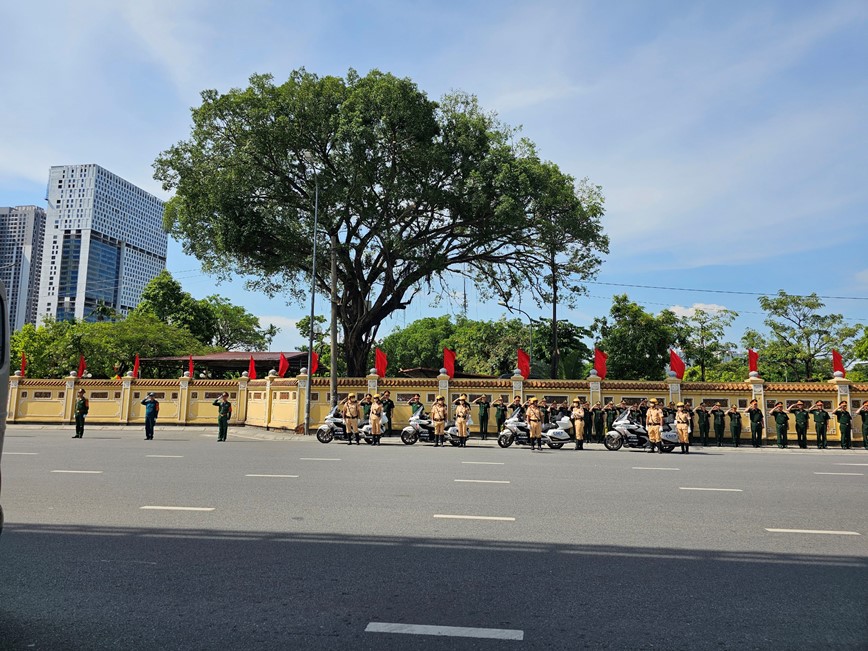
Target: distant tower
[(104, 241), (22, 230)]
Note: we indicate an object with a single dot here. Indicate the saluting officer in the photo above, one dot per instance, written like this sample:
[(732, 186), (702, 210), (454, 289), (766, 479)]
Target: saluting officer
[(798, 410), (500, 408), (438, 417), (704, 418), (589, 422), (719, 419), (845, 423), (688, 408), (863, 412), (224, 413), (577, 414), (534, 423), (782, 423), (365, 403), (350, 410), (517, 407), (682, 427), (462, 413), (821, 423), (376, 418), (388, 407), (734, 424), (484, 407), (415, 404), (755, 414), (611, 415), (82, 407), (643, 412), (152, 410), (599, 420), (654, 420)]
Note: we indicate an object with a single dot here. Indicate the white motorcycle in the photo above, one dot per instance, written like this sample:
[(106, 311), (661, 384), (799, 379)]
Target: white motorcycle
[(516, 430), (628, 431)]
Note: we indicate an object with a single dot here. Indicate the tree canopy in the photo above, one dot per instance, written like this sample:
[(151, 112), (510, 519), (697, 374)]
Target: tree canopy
[(413, 191)]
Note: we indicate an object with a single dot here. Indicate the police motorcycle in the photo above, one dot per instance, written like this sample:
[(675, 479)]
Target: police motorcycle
[(628, 431), (421, 428), (334, 428), (516, 430)]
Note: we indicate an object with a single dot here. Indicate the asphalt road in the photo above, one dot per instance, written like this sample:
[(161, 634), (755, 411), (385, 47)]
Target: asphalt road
[(311, 546)]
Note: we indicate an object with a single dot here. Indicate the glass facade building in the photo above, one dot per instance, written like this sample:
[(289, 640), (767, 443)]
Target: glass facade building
[(22, 231)]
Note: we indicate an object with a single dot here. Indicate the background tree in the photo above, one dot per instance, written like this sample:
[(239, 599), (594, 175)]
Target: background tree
[(237, 329), (573, 355), (800, 340), (412, 191), (489, 347), (164, 297), (420, 343), (637, 342), (701, 337)]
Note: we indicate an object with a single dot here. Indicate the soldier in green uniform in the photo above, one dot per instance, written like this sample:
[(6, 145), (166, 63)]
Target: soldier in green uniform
[(484, 407), (388, 407), (611, 416), (798, 410), (599, 419), (719, 419), (589, 422), (82, 406), (415, 404), (734, 424), (782, 423), (845, 424), (821, 423), (755, 414), (704, 418), (224, 413), (365, 403), (863, 412), (500, 408)]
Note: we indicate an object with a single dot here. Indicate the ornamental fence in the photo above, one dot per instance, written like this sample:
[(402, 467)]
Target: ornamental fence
[(279, 403)]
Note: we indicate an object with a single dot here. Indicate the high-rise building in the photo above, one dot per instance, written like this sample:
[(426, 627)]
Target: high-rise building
[(104, 241), (22, 229)]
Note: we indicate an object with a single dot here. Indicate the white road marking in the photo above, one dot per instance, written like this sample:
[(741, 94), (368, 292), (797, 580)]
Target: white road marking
[(448, 631), (176, 508), (473, 517), (837, 464), (23, 453), (646, 468), (818, 531), (290, 476), (722, 490), (80, 472), (165, 456), (483, 463), (317, 459), (846, 474), (482, 481)]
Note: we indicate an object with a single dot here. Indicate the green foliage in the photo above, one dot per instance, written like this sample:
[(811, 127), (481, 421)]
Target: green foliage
[(412, 190), (637, 342), (800, 340), (53, 348), (701, 338), (235, 328), (420, 343), (489, 347)]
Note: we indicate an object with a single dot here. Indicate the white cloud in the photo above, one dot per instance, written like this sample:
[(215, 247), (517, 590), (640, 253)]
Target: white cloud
[(711, 308), (288, 338)]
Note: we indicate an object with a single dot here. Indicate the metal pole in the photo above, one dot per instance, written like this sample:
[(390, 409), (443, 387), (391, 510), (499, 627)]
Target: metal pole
[(529, 327), (333, 345), (312, 305)]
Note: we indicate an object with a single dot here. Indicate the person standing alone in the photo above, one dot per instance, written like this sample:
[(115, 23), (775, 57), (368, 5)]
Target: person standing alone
[(224, 413), (82, 406), (152, 410)]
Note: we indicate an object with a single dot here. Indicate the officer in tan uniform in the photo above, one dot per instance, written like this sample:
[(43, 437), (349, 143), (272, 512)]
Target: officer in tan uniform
[(376, 415), (577, 414), (682, 426), (654, 424), (438, 417), (462, 413), (534, 423), (350, 411)]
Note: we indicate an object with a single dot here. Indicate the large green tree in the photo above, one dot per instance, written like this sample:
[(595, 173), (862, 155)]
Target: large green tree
[(800, 340), (410, 193), (636, 341), (701, 336), (419, 343)]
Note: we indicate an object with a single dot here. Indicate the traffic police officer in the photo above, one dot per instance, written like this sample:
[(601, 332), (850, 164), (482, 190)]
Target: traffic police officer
[(654, 420), (350, 412), (438, 417), (577, 414), (224, 412), (462, 413), (682, 426), (376, 418), (755, 414), (534, 423), (845, 423), (821, 423)]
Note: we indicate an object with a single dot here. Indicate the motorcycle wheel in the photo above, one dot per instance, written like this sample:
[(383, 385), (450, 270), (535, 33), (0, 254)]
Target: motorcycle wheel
[(504, 440), (324, 435), (368, 440), (667, 447), (556, 446), (409, 438), (613, 442), (454, 443)]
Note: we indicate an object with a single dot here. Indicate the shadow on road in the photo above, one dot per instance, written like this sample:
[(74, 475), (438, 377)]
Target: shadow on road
[(83, 587)]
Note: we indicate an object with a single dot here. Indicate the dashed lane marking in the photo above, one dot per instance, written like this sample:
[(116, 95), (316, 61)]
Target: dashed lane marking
[(28, 454), (176, 508), (647, 468), (483, 463), (165, 456), (843, 474), (79, 472), (317, 459), (443, 516), (851, 464), (722, 490), (287, 476), (816, 531), (447, 631), (482, 481)]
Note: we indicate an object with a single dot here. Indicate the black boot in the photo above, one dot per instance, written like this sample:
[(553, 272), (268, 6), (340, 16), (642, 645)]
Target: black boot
[(660, 448), (687, 449), (581, 445), (651, 449), (578, 447)]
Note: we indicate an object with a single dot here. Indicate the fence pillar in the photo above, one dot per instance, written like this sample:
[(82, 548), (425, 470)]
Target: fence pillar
[(757, 392), (69, 398), (595, 388), (517, 384), (443, 385), (13, 397), (269, 398), (242, 400), (126, 397), (843, 385), (184, 397), (373, 380), (674, 388), (303, 388)]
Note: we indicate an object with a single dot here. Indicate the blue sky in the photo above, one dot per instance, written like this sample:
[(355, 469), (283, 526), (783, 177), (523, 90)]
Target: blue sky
[(729, 138)]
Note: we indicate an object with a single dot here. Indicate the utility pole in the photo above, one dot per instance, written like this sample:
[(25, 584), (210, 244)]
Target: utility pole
[(333, 362)]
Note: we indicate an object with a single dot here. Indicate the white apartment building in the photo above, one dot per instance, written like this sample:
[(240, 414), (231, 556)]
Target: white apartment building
[(22, 229), (104, 241)]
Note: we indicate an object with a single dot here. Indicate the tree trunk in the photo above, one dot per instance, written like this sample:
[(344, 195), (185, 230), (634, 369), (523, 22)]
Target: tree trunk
[(556, 350)]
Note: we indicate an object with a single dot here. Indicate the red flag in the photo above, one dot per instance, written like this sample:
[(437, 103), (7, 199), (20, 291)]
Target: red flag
[(676, 364), (380, 362), (190, 366), (523, 364), (600, 362), (449, 362), (752, 360), (314, 362), (136, 367), (838, 363), (23, 363), (82, 366), (251, 369), (283, 367)]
